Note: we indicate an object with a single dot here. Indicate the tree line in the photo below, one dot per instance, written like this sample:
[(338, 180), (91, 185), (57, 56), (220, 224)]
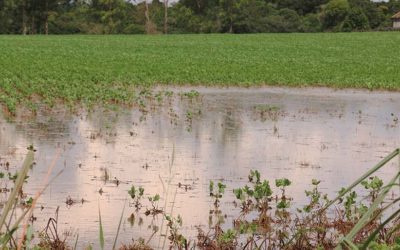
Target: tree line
[(193, 16)]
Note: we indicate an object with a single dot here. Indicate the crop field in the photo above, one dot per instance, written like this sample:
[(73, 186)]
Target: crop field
[(133, 142), (108, 68)]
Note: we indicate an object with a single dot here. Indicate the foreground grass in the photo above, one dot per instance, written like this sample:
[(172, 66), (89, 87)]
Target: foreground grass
[(93, 68)]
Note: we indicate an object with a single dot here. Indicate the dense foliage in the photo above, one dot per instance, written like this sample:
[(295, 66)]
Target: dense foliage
[(192, 16)]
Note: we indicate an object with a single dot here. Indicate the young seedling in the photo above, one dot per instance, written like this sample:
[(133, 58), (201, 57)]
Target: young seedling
[(136, 195), (177, 240), (374, 186), (154, 204), (282, 201), (217, 194)]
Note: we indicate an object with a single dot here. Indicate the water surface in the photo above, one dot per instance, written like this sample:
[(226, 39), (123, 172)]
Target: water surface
[(299, 134)]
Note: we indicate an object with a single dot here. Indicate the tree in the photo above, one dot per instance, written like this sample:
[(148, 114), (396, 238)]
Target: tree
[(284, 20), (165, 16), (228, 14), (200, 7), (302, 7), (251, 16), (183, 20), (192, 16), (8, 14), (356, 20), (334, 13), (311, 23)]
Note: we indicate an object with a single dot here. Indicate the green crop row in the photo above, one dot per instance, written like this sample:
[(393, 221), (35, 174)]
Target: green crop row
[(106, 68)]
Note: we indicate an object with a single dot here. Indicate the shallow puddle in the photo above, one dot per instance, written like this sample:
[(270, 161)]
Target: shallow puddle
[(188, 140)]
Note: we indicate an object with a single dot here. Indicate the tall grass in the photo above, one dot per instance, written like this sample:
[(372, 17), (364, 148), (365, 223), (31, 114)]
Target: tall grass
[(13, 199)]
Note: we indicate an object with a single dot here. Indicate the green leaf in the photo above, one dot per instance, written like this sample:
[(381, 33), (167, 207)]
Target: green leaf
[(239, 194), (211, 187), (132, 192), (119, 226), (315, 182), (282, 182), (221, 187), (141, 191), (101, 232)]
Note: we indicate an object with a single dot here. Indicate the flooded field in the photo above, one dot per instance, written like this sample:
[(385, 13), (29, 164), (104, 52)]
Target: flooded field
[(180, 139)]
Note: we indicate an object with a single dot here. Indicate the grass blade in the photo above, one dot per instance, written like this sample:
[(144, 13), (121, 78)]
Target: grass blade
[(119, 226), (381, 226), (366, 217), (364, 176), (6, 238), (15, 227), (29, 235), (101, 232), (17, 187), (76, 241), (37, 195)]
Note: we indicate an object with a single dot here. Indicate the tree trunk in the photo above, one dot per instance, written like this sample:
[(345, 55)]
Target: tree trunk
[(24, 28), (146, 13), (198, 4), (231, 25), (165, 16), (46, 26), (32, 31), (46, 19)]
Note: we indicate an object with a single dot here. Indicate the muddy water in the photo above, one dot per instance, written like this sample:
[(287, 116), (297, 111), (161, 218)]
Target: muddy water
[(299, 134)]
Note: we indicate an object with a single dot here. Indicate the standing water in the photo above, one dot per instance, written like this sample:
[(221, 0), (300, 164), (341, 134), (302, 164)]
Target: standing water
[(174, 144)]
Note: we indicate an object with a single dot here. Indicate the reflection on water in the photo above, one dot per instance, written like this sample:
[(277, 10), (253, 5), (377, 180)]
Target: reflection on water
[(329, 135)]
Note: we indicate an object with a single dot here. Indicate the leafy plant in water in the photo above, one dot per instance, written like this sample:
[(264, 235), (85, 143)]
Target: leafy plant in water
[(317, 200), (227, 240), (254, 176), (177, 240), (218, 193), (352, 210), (192, 94), (283, 201), (136, 195), (159, 97), (283, 217), (266, 111), (311, 229), (259, 195), (243, 195), (349, 204), (154, 204), (374, 186)]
